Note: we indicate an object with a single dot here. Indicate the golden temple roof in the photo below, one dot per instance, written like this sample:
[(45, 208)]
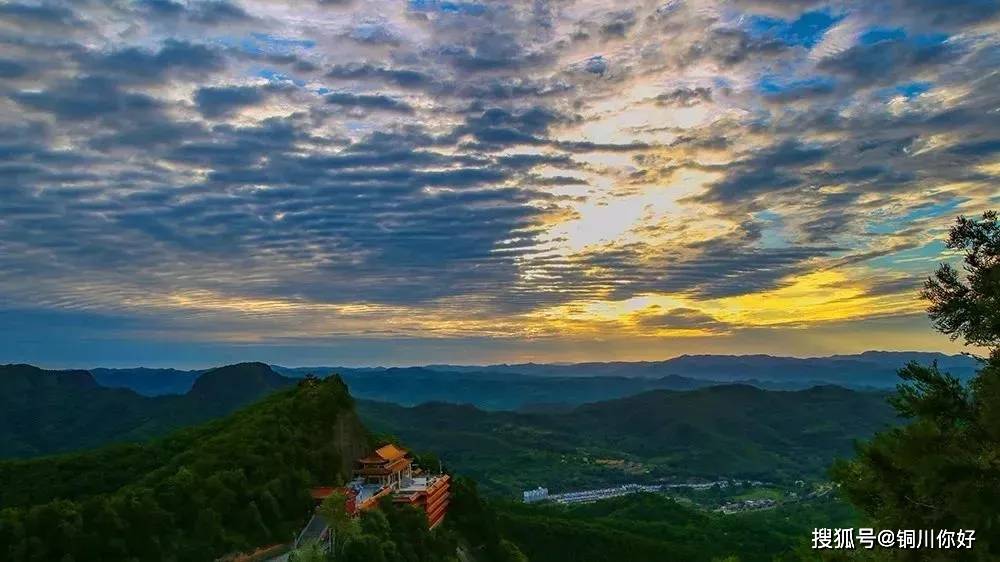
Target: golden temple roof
[(387, 453)]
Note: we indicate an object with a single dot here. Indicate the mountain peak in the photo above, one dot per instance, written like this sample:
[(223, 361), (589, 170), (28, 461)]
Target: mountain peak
[(239, 383), (32, 376)]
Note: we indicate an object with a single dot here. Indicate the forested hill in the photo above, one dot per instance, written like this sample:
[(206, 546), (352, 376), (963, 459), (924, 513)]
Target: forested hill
[(44, 412), (813, 419), (733, 430), (228, 388), (230, 485)]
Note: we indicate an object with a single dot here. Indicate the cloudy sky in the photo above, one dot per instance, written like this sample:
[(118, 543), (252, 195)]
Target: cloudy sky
[(392, 182)]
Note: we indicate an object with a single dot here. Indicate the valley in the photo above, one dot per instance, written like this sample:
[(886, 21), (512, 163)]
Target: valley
[(702, 472), (701, 435)]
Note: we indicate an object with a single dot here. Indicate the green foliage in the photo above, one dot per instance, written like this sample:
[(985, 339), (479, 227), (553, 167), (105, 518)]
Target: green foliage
[(343, 527), (334, 512), (969, 308), (392, 533), (476, 521), (231, 485), (309, 552), (942, 469), (369, 548)]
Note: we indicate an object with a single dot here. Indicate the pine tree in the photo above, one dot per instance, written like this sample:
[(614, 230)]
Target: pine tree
[(941, 470)]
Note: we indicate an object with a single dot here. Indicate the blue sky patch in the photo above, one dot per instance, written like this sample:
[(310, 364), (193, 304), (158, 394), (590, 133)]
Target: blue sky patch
[(283, 43), (776, 87), (276, 76), (909, 89), (879, 34), (262, 43), (468, 8), (805, 31), (930, 210), (920, 259)]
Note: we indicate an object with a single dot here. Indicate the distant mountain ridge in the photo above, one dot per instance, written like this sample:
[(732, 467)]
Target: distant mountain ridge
[(148, 382), (558, 385), (415, 385), (493, 391), (44, 412), (869, 369), (159, 382)]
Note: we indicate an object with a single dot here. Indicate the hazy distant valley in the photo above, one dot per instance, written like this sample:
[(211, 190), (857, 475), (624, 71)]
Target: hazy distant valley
[(510, 387)]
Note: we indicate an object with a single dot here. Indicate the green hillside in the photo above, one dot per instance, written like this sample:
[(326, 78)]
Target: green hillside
[(225, 486), (718, 431)]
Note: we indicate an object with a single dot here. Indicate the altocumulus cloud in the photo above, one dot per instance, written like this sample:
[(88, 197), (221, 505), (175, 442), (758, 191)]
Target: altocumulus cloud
[(242, 170)]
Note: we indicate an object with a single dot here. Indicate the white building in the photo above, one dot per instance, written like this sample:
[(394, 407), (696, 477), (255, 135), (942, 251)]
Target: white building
[(536, 495)]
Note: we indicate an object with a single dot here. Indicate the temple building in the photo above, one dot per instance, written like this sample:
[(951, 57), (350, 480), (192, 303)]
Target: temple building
[(430, 493), (387, 466), (389, 471)]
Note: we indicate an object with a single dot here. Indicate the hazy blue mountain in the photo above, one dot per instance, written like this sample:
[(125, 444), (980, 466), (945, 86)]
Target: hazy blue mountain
[(148, 382), (416, 385), (532, 386), (491, 391), (153, 382), (869, 369)]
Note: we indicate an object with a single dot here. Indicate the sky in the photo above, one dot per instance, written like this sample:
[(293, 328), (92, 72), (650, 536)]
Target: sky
[(190, 183)]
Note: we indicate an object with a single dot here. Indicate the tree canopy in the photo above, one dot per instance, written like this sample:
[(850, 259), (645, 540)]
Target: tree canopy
[(234, 484), (969, 308), (941, 470)]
